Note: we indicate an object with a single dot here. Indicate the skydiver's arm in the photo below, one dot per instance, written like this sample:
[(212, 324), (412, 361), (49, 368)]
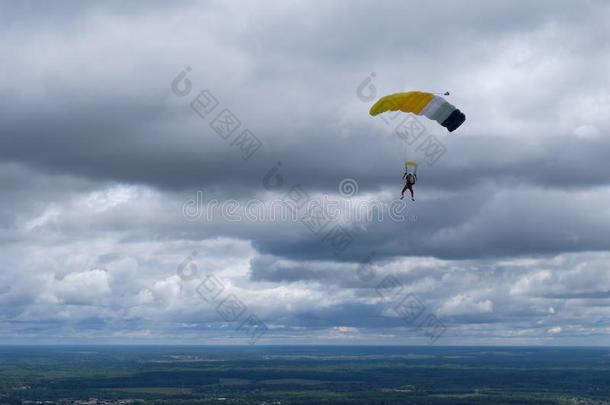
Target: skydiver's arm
[(404, 175)]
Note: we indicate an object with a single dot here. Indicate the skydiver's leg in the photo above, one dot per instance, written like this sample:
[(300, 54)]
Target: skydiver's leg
[(412, 194), (402, 193)]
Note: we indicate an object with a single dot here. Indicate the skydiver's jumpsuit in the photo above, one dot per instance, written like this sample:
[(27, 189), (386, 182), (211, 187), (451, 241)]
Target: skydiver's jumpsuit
[(409, 185)]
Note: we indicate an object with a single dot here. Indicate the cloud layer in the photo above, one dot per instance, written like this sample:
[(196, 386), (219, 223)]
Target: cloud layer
[(110, 178)]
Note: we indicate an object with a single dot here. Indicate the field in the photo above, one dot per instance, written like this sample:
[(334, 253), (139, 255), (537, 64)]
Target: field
[(306, 375)]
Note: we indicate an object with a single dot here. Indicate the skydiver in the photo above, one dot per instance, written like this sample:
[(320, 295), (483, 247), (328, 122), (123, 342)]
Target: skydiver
[(410, 181)]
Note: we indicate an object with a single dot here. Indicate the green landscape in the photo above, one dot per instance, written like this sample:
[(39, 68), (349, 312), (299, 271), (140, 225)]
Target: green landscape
[(303, 375)]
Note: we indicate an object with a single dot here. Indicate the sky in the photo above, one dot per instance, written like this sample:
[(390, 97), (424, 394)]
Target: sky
[(207, 172)]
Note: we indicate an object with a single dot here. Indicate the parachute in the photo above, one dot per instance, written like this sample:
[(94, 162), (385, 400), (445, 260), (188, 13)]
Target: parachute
[(414, 164), (417, 102)]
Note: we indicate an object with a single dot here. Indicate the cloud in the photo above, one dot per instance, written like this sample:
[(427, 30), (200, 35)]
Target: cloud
[(99, 158), (83, 288)]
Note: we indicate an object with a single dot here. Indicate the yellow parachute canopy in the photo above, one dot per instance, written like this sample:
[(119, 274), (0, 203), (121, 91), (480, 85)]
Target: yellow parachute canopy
[(421, 103)]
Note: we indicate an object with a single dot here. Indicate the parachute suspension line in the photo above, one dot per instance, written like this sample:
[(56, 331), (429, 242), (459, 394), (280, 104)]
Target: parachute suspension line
[(413, 166)]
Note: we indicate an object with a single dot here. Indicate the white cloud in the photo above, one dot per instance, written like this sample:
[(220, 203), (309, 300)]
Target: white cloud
[(84, 288)]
